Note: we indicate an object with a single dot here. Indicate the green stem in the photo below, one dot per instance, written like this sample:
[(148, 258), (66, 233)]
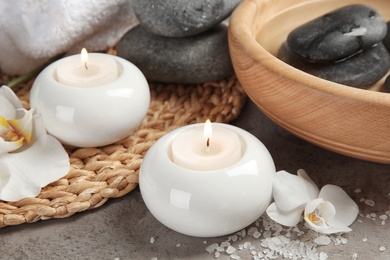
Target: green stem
[(29, 75)]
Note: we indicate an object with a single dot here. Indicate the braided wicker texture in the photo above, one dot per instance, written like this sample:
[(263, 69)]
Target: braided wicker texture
[(102, 173)]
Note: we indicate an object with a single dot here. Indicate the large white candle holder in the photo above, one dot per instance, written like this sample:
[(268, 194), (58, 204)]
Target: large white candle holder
[(207, 203), (91, 116)]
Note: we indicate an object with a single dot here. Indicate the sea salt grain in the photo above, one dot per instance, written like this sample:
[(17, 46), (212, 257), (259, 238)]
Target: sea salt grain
[(357, 190), (230, 250), (382, 248), (322, 240), (152, 240), (370, 203), (236, 257), (212, 248)]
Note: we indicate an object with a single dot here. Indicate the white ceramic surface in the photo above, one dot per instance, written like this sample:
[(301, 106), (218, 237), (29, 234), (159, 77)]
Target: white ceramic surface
[(92, 116), (207, 203)]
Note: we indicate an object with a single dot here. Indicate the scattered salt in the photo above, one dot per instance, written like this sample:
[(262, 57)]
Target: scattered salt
[(154, 258), (383, 217), (322, 240), (323, 256), (252, 230), (370, 203), (152, 240), (205, 242), (276, 242), (267, 234), (178, 245), (357, 190), (355, 256), (234, 238), (220, 249), (230, 250), (212, 248), (364, 239), (257, 234), (225, 244), (247, 245), (382, 248)]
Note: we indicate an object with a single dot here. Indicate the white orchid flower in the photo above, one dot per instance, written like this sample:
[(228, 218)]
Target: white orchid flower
[(328, 211), (29, 157)]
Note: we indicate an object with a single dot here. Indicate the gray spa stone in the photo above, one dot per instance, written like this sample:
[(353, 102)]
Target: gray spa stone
[(387, 84), (338, 34), (194, 59), (361, 70), (179, 18), (386, 40)]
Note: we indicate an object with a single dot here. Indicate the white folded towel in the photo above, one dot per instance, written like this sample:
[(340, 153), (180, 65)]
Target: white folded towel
[(33, 31)]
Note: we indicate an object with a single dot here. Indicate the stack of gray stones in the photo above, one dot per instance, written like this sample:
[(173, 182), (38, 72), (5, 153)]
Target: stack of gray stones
[(180, 41)]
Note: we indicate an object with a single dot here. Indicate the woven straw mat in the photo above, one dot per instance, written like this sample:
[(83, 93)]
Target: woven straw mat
[(98, 174)]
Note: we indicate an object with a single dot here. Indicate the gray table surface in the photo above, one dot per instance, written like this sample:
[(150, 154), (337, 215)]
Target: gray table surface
[(123, 228)]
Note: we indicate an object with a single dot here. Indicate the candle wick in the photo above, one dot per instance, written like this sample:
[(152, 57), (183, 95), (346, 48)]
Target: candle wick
[(85, 64), (208, 142)]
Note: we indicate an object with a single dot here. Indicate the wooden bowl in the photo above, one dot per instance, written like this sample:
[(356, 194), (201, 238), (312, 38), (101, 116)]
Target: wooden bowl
[(347, 120)]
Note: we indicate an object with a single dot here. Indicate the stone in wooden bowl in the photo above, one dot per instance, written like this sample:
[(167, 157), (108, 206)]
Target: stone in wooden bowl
[(344, 119)]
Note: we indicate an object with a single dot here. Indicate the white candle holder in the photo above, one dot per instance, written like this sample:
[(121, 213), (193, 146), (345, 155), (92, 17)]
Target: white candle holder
[(92, 116), (207, 203)]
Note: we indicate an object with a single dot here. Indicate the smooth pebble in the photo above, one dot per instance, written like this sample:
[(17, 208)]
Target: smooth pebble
[(361, 70), (338, 34), (194, 59), (179, 18)]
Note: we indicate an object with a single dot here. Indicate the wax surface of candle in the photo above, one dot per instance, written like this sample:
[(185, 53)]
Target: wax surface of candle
[(190, 150), (98, 70)]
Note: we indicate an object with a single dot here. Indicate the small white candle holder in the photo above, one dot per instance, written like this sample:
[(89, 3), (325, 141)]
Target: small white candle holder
[(91, 116), (207, 203)]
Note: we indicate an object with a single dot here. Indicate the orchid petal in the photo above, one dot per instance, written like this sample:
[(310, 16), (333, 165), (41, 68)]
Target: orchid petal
[(6, 108), (23, 126), (17, 186), (291, 192), (346, 209), (6, 147), (284, 218), (44, 162), (11, 97), (326, 229), (9, 140), (4, 175), (319, 215), (312, 189)]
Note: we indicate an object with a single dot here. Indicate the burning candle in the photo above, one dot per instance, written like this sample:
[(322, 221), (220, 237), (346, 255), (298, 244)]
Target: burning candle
[(87, 70), (206, 148), (207, 184), (90, 100)]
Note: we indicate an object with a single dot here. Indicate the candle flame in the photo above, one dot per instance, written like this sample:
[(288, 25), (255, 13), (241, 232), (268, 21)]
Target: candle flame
[(84, 57), (208, 132)]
